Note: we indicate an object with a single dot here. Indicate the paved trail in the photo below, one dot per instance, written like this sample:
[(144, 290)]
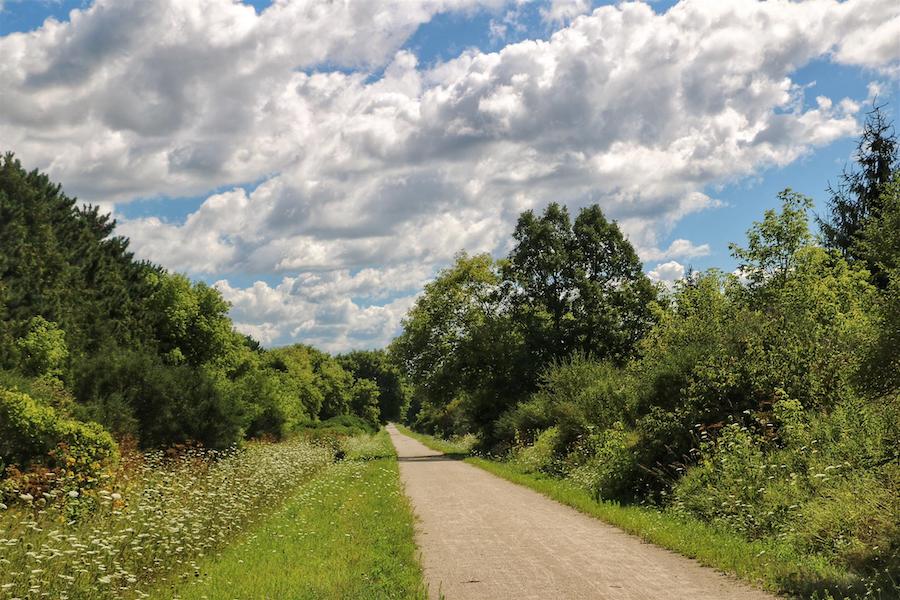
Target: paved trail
[(484, 537)]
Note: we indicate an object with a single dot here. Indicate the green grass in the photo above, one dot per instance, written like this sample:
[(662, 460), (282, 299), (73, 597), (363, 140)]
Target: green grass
[(770, 564), (458, 447), (346, 534)]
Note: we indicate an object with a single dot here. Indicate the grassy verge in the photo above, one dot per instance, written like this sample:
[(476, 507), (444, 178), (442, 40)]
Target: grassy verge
[(459, 447), (770, 564), (346, 534)]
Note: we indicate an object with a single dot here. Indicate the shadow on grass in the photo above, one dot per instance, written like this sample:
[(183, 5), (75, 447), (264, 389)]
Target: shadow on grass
[(881, 586)]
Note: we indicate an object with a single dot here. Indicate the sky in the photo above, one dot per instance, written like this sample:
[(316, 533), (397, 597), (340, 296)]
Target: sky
[(319, 161)]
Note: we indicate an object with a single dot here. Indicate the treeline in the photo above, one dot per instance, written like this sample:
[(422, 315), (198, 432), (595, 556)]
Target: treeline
[(94, 342), (764, 401)]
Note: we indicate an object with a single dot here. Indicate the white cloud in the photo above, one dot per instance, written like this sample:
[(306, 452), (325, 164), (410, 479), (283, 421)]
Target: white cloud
[(637, 111), (321, 309), (667, 273), (679, 248), (563, 11)]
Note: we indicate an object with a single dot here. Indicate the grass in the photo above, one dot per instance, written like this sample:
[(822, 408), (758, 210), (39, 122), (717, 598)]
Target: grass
[(150, 517), (348, 533), (457, 447), (770, 564)]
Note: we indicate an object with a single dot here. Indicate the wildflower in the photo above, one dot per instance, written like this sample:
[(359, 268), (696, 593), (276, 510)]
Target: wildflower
[(116, 496), (73, 494)]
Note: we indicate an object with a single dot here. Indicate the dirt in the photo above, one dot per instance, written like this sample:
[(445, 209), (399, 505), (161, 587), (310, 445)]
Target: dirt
[(484, 537)]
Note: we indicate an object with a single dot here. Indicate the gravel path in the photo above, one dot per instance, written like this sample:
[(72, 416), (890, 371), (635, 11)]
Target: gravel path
[(484, 537)]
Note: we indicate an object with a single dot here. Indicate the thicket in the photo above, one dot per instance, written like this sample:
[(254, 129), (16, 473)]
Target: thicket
[(93, 341), (765, 401)]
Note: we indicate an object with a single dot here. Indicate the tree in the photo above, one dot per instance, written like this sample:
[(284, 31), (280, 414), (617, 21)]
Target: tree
[(881, 243), (773, 243), (576, 288), (43, 349), (377, 366), (437, 331), (364, 401), (191, 319), (857, 196)]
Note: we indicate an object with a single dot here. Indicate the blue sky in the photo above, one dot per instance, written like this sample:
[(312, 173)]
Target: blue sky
[(319, 169)]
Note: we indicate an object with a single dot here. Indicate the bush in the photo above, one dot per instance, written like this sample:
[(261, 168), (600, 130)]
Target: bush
[(578, 396), (827, 482), (611, 469), (43, 349), (159, 404), (542, 456), (35, 435)]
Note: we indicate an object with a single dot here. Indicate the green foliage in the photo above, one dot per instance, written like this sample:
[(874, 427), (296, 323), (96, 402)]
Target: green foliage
[(826, 482), (576, 287), (477, 340), (31, 433), (136, 393), (772, 244), (394, 393), (63, 263), (543, 455), (610, 467), (577, 395), (857, 198), (42, 350), (190, 319), (364, 402), (881, 243)]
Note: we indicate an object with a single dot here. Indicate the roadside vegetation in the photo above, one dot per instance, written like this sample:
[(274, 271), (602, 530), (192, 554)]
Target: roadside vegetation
[(260, 521), (769, 563), (457, 446), (347, 533), (155, 514), (754, 412)]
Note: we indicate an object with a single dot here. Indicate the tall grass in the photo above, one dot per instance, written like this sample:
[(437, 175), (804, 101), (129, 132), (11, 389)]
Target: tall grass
[(155, 515), (348, 533)]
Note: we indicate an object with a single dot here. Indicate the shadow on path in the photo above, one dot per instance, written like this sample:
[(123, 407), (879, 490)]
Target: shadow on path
[(432, 457)]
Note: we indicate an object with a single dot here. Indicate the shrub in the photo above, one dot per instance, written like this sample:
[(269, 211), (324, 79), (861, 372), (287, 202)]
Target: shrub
[(168, 403), (578, 396), (827, 482), (542, 456), (32, 434), (43, 349), (611, 469)]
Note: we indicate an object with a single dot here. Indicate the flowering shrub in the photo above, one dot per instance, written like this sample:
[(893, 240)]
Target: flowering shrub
[(154, 516), (34, 433)]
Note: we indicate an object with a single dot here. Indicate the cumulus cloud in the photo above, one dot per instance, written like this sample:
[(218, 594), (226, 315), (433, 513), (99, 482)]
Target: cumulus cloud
[(637, 111), (667, 273), (323, 310), (679, 248)]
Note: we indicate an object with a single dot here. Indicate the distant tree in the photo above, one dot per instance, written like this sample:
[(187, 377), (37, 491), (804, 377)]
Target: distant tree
[(191, 319), (443, 324), (576, 287), (377, 365), (857, 196), (364, 401)]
